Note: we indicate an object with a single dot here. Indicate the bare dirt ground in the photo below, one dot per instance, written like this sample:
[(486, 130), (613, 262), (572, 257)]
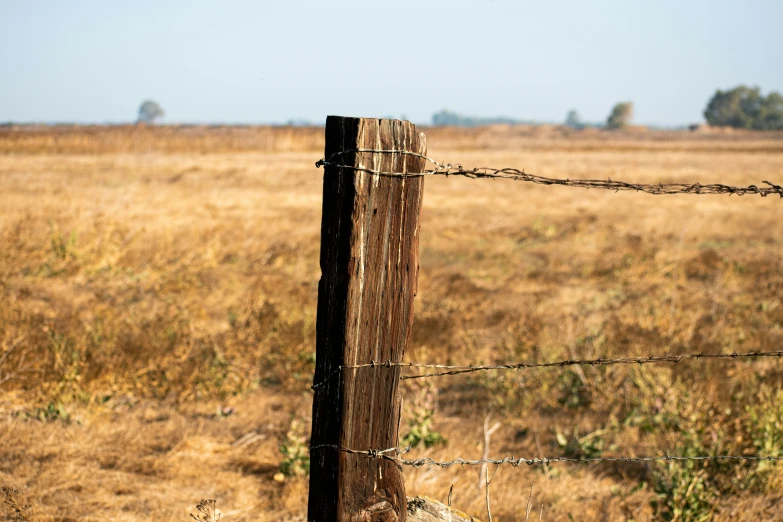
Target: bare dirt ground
[(157, 322)]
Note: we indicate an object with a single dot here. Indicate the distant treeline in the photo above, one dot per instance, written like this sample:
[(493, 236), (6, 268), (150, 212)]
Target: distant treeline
[(454, 119), (741, 107), (446, 118)]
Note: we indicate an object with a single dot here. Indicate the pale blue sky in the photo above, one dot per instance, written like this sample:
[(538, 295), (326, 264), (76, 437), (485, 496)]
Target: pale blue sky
[(269, 61)]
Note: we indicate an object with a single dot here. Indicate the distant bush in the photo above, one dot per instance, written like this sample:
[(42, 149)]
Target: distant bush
[(745, 108), (149, 111), (573, 120), (620, 116)]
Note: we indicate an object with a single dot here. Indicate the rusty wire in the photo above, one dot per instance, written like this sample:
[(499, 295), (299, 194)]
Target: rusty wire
[(448, 169), (393, 455), (446, 369)]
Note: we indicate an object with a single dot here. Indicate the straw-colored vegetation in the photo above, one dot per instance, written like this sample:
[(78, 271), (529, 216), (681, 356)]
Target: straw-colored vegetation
[(157, 321)]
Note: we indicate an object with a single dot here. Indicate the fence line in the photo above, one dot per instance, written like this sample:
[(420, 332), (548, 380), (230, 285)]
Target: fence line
[(369, 266), (391, 454), (449, 169), (459, 369)]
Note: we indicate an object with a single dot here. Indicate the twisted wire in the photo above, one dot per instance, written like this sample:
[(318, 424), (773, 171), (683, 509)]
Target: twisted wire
[(448, 169), (392, 454), (446, 369)]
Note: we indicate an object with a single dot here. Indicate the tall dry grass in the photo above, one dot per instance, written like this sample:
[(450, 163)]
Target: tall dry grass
[(141, 138), (158, 312)]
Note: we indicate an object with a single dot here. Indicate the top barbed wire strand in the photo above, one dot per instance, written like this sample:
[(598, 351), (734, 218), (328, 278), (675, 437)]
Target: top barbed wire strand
[(448, 169)]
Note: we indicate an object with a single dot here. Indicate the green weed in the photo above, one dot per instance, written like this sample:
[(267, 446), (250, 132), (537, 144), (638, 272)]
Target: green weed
[(420, 430), (589, 446), (296, 456)]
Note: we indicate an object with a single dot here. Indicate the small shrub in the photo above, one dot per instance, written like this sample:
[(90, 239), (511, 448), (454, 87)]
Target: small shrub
[(296, 456), (62, 252), (207, 511), (424, 400), (421, 431), (689, 490), (589, 446), (765, 426), (573, 392), (51, 412), (683, 492)]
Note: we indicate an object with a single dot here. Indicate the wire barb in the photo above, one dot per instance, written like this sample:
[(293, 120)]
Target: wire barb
[(448, 169)]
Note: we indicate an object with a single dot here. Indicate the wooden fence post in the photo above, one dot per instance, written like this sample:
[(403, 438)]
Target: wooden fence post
[(369, 270)]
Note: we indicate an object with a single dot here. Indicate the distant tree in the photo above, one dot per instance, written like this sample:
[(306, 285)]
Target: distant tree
[(772, 117), (573, 120), (149, 111), (737, 107), (620, 116), (745, 107)]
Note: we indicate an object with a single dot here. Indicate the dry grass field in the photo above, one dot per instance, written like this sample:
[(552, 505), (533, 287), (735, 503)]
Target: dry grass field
[(157, 322)]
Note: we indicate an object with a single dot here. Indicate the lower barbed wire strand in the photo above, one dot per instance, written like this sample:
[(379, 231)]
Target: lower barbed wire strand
[(446, 369), (515, 462), (448, 169)]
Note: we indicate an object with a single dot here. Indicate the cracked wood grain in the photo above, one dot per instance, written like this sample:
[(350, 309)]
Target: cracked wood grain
[(369, 270)]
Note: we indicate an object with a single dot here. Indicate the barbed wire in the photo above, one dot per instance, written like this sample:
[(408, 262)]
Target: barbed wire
[(392, 454), (448, 169), (447, 369)]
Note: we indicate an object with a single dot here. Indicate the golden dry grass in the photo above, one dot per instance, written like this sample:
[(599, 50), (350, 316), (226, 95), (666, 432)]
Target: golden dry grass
[(158, 290)]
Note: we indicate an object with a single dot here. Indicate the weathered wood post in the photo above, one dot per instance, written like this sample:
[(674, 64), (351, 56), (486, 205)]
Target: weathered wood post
[(369, 270)]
